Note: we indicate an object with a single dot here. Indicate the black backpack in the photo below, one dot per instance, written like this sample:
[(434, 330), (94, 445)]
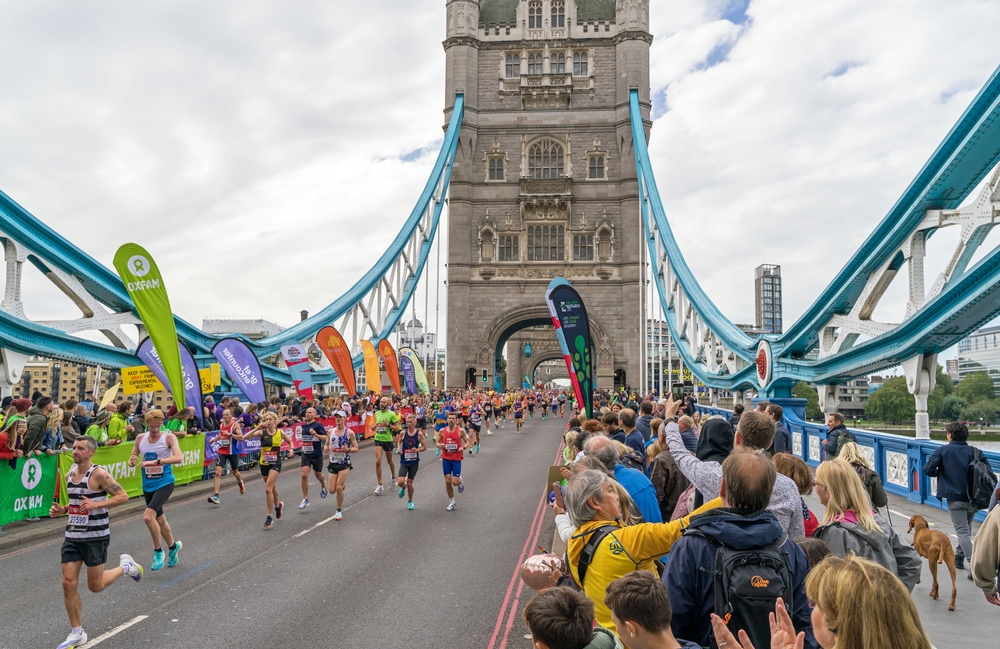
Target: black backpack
[(747, 586), (980, 480)]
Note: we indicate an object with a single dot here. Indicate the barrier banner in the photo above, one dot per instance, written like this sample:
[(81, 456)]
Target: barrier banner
[(298, 366), (337, 351), (140, 379), (242, 367), (388, 355), (114, 460), (418, 369), (192, 381), (569, 317), (409, 376), (26, 490), (373, 376), (144, 284)]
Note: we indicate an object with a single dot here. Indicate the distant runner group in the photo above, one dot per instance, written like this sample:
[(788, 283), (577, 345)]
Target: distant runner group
[(458, 420)]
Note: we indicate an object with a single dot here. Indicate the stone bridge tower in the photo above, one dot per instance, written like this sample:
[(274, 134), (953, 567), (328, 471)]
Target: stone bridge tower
[(544, 182)]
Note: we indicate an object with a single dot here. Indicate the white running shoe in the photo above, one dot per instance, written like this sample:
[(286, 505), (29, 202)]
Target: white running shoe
[(378, 490), (304, 503), (131, 568), (338, 516), (74, 640), (450, 507)]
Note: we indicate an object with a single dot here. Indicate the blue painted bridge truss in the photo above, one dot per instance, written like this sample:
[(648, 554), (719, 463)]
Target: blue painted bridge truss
[(836, 338), (370, 309)]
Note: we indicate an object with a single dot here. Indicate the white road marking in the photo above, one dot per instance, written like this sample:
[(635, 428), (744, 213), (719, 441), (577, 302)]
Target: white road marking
[(115, 631), (899, 513), (310, 529)]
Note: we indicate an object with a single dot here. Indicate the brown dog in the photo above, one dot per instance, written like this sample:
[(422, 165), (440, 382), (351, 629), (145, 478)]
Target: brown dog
[(934, 546)]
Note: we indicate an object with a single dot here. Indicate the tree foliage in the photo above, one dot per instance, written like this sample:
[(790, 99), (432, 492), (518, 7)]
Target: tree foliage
[(976, 387), (952, 406), (985, 410), (803, 390), (892, 401)]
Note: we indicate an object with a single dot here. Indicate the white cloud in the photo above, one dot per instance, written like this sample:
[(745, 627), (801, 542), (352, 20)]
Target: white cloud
[(256, 149), (793, 148)]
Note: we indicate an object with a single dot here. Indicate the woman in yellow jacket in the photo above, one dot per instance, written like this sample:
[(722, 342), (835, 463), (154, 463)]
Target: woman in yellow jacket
[(591, 504)]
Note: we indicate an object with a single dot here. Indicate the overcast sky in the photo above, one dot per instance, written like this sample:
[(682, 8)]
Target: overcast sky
[(267, 154)]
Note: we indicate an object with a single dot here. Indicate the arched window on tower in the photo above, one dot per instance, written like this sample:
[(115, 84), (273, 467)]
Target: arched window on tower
[(534, 15), (559, 63), (486, 246), (508, 249), (513, 65), (558, 14), (535, 63), (545, 160)]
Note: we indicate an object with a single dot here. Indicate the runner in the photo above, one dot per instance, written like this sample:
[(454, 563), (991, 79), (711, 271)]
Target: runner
[(440, 420), (342, 443), (487, 413), (420, 410), (475, 425), (562, 404), (88, 534), (531, 405), (466, 408), (270, 462), (386, 427), (313, 437), (229, 430), (497, 405), (543, 402), (518, 414), (452, 441), (160, 452), (411, 443)]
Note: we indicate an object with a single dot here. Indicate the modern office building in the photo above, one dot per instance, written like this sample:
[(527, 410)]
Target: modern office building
[(767, 298), (980, 352), (951, 368)]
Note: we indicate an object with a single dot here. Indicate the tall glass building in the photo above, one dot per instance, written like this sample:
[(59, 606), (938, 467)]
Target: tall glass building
[(980, 352), (767, 298)]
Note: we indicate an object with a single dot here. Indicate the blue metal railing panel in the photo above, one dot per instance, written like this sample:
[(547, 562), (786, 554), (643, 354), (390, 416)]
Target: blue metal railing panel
[(898, 460)]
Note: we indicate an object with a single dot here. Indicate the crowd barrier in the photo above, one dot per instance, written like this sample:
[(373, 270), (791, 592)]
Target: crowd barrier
[(29, 485), (898, 460)]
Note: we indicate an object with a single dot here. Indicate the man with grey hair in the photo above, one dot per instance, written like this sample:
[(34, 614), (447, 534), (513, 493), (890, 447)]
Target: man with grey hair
[(756, 432), (634, 482), (686, 427), (594, 510)]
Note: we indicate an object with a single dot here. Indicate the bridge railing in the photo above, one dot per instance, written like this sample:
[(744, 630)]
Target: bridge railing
[(898, 460)]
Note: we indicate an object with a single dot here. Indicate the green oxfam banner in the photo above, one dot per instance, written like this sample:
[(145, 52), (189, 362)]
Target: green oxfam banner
[(114, 460), (145, 286), (26, 490)]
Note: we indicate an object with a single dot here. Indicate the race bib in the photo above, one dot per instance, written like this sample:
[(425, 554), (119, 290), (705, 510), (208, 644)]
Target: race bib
[(451, 448), (271, 457), (338, 458), (380, 429), (153, 471), (78, 516), (224, 442), (410, 456)]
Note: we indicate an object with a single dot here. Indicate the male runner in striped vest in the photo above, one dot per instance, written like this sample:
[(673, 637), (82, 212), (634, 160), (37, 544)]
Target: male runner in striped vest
[(88, 534)]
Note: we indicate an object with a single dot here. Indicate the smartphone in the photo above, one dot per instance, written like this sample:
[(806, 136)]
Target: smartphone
[(557, 492)]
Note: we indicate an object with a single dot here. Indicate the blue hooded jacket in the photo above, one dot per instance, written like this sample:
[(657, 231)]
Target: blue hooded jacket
[(690, 581)]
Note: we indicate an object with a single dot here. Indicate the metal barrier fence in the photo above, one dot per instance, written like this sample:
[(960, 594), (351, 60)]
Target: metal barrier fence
[(898, 460)]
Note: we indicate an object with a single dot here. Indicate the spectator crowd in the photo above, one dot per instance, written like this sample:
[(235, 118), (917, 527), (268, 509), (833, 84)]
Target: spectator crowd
[(689, 532)]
